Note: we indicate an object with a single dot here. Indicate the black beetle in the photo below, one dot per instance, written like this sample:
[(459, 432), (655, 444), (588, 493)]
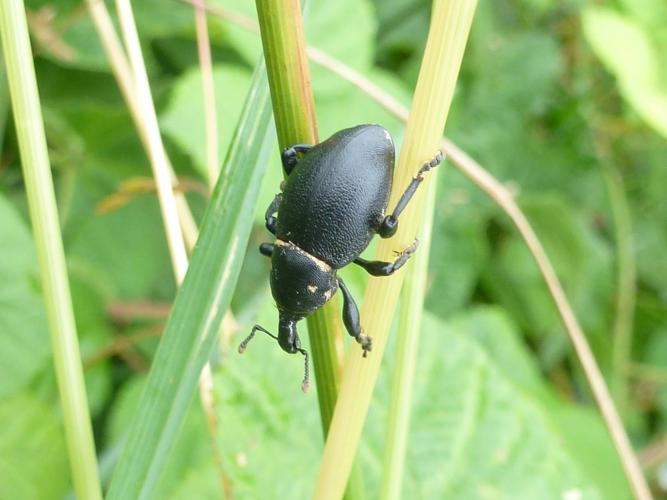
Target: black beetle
[(332, 204)]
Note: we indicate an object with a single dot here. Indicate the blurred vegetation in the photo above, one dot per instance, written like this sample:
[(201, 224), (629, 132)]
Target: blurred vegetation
[(561, 100)]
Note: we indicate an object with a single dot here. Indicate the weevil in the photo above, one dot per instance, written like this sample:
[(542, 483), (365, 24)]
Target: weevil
[(332, 203)]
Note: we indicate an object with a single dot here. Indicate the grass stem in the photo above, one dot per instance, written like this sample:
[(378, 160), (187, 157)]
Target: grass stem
[(50, 252), (448, 34)]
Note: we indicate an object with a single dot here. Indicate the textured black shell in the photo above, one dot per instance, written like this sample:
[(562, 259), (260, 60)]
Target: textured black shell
[(299, 283), (334, 199)]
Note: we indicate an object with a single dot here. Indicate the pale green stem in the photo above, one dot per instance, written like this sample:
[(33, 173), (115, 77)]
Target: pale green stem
[(157, 155), (293, 109), (626, 287), (4, 100), (50, 253), (448, 34), (208, 93), (407, 353)]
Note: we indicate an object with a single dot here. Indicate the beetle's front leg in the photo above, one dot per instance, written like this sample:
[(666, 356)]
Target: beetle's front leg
[(270, 219), (352, 321), (290, 156), (380, 268), (390, 223)]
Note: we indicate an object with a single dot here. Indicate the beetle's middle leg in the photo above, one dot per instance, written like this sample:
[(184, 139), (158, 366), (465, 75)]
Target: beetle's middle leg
[(351, 319), (389, 225), (290, 156), (380, 268)]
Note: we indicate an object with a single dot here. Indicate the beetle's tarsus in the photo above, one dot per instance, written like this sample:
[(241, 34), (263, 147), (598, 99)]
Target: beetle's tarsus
[(389, 225), (381, 268), (366, 343)]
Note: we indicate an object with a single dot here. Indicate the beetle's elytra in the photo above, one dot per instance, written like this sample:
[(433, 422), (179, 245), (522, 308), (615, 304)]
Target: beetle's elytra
[(333, 202)]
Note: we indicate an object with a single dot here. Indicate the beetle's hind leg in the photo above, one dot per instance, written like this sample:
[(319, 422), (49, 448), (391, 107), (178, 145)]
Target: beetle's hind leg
[(380, 268), (351, 319), (290, 156), (389, 225)]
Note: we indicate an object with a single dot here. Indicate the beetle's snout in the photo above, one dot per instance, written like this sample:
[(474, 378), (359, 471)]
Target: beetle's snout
[(287, 335)]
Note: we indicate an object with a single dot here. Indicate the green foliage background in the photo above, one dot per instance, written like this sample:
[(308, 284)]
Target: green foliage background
[(552, 97)]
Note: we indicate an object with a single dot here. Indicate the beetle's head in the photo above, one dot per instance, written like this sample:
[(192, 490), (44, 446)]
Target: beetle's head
[(300, 283)]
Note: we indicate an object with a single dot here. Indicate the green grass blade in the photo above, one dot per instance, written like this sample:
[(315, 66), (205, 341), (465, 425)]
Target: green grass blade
[(407, 352), (4, 100), (50, 253), (200, 304)]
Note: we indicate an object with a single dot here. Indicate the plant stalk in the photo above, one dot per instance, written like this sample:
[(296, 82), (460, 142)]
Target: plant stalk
[(448, 34), (281, 29), (50, 252), (627, 288), (409, 330)]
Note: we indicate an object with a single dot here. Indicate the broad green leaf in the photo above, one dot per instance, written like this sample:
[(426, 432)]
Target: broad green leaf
[(475, 433), (81, 37), (582, 262), (124, 250), (200, 303), (459, 248), (24, 341), (587, 440), (481, 425), (495, 333), (355, 48), (628, 52), (183, 120), (321, 18), (33, 458), (246, 43)]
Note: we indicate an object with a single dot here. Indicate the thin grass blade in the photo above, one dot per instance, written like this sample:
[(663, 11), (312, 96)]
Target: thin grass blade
[(201, 302)]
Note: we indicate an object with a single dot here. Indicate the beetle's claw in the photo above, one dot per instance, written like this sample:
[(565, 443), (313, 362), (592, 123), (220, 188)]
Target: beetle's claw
[(409, 250)]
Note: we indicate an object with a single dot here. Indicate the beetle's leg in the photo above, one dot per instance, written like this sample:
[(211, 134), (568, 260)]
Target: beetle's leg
[(380, 268), (389, 225), (269, 217), (290, 156), (266, 249), (352, 321), (296, 348)]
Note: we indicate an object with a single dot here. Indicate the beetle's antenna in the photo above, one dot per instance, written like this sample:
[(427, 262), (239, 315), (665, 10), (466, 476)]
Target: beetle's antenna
[(305, 385), (244, 344)]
